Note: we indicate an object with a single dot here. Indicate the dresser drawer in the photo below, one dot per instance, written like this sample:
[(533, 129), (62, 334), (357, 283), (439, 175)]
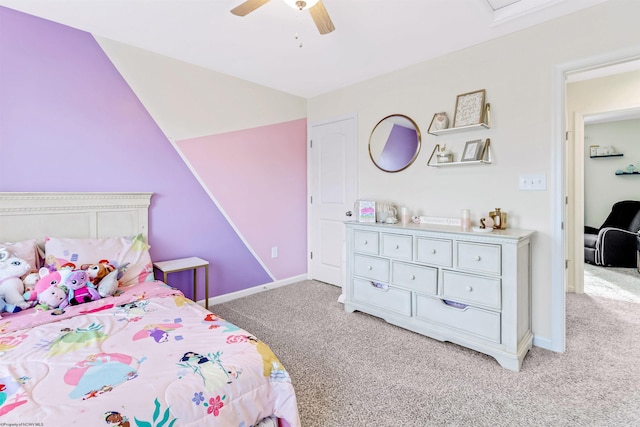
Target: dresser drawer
[(389, 299), (371, 267), (434, 251), (481, 323), (483, 258), (397, 246), (365, 242), (415, 277), (470, 289)]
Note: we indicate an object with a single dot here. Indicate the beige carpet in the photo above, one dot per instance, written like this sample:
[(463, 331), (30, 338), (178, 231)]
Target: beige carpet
[(357, 370), (612, 282)]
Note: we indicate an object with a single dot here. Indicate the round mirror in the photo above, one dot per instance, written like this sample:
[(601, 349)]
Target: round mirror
[(394, 143)]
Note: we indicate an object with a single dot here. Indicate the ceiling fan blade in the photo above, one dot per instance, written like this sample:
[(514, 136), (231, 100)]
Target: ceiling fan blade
[(321, 18), (247, 7)]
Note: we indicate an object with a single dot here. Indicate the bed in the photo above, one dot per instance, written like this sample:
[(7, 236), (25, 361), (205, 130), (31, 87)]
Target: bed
[(145, 356)]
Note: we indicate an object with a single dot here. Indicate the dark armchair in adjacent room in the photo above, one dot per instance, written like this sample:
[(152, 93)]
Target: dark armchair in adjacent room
[(614, 244)]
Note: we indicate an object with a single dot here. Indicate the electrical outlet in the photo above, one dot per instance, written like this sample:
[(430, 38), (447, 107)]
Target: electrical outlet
[(274, 252), (532, 182)]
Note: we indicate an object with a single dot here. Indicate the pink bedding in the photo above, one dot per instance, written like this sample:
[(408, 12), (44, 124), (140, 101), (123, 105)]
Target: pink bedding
[(149, 358)]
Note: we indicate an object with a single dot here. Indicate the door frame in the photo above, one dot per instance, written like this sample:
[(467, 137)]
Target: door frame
[(563, 196), (355, 182)]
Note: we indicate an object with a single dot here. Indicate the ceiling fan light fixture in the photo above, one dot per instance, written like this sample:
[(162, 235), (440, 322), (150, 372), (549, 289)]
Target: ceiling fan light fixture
[(301, 4), (316, 9)]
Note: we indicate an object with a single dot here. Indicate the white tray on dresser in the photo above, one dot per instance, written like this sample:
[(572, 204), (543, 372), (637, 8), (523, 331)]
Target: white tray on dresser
[(466, 287)]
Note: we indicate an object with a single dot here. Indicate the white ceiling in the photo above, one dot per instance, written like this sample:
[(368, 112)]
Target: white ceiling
[(372, 37)]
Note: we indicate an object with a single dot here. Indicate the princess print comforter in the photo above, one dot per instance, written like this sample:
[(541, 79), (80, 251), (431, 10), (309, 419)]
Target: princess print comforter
[(148, 358)]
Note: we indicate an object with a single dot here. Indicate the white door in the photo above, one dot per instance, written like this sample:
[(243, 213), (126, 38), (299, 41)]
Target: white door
[(332, 190)]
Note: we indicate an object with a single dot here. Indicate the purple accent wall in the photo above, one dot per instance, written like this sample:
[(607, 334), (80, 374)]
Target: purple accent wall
[(69, 122), (399, 148)]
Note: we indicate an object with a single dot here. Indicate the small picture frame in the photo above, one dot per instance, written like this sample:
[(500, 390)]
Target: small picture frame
[(472, 151), (440, 121), (366, 211), (469, 109)]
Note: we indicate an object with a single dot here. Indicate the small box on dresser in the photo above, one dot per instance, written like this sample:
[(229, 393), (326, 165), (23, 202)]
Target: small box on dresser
[(469, 288)]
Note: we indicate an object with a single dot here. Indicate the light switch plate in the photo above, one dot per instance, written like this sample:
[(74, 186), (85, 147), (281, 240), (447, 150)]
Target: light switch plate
[(532, 182)]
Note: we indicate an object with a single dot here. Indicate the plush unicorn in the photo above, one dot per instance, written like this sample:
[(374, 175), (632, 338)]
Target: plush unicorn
[(12, 269)]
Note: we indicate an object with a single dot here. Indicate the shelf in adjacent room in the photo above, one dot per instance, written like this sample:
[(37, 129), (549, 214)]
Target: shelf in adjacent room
[(608, 155)]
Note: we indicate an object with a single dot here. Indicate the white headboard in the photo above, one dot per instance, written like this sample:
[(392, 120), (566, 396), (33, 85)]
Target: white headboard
[(77, 215)]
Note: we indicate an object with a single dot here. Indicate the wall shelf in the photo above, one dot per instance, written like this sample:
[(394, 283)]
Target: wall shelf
[(460, 129), (608, 155), (486, 124), (628, 173), (485, 157)]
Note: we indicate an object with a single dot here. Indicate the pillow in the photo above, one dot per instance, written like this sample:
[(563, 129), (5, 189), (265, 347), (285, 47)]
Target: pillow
[(135, 251), (61, 251), (119, 251), (25, 249)]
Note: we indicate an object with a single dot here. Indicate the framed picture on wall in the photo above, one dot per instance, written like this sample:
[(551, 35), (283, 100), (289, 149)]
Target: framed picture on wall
[(472, 151), (469, 109)]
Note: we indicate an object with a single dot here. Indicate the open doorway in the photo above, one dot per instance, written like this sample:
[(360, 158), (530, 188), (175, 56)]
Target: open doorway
[(567, 251), (603, 112), (611, 172)]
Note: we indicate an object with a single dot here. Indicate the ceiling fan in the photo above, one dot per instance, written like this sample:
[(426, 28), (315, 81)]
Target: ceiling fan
[(316, 9)]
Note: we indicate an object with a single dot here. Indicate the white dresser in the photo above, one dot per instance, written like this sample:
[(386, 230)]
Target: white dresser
[(469, 288)]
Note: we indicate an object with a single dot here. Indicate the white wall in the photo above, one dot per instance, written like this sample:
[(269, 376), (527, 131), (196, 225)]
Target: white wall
[(602, 187), (188, 101), (517, 72)]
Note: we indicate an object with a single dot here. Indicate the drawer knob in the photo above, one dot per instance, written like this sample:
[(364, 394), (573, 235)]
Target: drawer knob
[(433, 251), (369, 268), (469, 288), (412, 277), (397, 246), (366, 242), (478, 258)]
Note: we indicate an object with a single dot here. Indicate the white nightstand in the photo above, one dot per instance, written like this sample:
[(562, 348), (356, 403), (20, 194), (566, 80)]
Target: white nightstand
[(182, 264)]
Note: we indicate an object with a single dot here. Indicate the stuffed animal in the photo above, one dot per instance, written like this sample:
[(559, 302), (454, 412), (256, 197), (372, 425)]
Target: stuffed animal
[(52, 297), (12, 269), (30, 281), (79, 288), (47, 278), (97, 271), (108, 286), (9, 308)]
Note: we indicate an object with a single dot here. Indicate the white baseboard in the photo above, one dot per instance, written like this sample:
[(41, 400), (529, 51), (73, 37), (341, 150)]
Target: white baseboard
[(543, 343), (254, 290)]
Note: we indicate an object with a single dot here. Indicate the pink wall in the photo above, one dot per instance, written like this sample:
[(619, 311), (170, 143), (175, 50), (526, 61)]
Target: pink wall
[(69, 122), (255, 176)]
